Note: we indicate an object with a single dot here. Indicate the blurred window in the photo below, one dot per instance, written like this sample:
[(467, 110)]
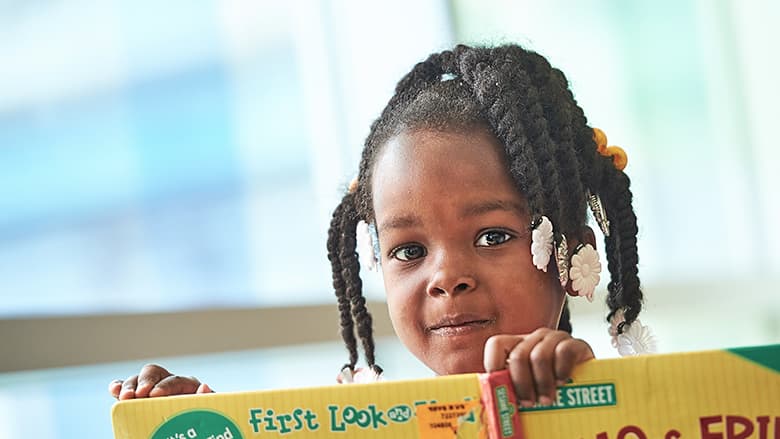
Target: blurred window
[(157, 155)]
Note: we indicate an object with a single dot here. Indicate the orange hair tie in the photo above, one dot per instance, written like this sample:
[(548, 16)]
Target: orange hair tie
[(353, 186), (619, 156)]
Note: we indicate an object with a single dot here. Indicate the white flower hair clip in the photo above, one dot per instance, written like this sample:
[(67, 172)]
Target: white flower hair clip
[(367, 245), (634, 339), (585, 271), (542, 243), (362, 375)]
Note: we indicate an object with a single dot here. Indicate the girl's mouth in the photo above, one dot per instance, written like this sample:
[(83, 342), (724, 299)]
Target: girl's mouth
[(459, 325)]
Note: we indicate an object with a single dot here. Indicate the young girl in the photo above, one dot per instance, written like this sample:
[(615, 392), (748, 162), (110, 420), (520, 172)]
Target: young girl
[(472, 195)]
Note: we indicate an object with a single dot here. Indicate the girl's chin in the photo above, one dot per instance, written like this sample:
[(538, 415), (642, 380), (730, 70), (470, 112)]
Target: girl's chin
[(451, 365), (458, 356)]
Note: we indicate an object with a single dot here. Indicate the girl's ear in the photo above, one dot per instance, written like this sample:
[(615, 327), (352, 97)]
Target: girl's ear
[(588, 237)]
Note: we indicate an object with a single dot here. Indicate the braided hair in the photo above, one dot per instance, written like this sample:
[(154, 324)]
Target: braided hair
[(551, 155)]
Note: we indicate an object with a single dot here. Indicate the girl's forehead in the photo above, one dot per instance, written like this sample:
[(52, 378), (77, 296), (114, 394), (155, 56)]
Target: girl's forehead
[(425, 165), (451, 150)]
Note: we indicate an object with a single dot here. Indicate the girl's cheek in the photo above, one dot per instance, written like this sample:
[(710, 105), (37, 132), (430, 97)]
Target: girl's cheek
[(403, 287)]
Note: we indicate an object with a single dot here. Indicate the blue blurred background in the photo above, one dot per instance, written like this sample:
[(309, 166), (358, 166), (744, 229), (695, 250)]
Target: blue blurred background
[(159, 157)]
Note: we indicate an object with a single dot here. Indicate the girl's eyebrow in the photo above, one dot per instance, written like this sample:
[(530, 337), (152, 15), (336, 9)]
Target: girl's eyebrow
[(400, 222), (481, 208), (468, 211)]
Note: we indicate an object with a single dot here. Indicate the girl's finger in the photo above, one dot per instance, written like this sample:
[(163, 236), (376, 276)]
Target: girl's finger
[(569, 353), (128, 388), (204, 388), (519, 365), (542, 359), (114, 387), (150, 375), (497, 349), (175, 385)]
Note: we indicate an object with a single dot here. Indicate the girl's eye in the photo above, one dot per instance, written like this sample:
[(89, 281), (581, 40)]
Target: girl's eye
[(493, 237), (408, 252)]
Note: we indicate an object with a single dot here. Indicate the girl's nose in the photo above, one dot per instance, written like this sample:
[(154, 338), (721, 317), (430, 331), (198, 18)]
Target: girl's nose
[(451, 277)]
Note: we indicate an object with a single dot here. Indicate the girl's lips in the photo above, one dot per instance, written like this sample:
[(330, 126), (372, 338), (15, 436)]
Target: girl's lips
[(459, 325)]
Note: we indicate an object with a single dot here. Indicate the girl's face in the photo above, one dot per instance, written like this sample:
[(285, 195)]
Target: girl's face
[(455, 240)]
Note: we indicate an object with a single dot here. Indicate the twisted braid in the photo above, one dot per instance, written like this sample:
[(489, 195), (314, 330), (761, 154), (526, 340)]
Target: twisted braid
[(530, 111), (354, 285), (350, 272), (560, 110), (622, 255), (486, 83), (334, 245)]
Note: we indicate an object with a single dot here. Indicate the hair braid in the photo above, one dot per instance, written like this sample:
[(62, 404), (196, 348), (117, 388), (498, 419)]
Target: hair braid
[(560, 111), (507, 126), (347, 330), (354, 285), (622, 255), (530, 111), (584, 168)]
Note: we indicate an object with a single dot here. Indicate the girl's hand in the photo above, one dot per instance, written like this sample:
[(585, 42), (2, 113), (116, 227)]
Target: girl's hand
[(154, 381), (538, 362)]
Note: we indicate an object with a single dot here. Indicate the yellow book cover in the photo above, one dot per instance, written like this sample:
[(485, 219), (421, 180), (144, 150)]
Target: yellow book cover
[(722, 394)]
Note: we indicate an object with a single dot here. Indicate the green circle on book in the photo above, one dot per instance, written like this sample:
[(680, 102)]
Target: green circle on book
[(200, 424)]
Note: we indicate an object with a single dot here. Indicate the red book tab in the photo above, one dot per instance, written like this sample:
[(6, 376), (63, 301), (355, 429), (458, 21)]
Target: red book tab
[(500, 404)]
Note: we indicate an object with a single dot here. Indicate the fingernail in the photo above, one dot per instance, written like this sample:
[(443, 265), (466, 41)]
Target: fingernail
[(560, 383), (526, 403), (545, 400)]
